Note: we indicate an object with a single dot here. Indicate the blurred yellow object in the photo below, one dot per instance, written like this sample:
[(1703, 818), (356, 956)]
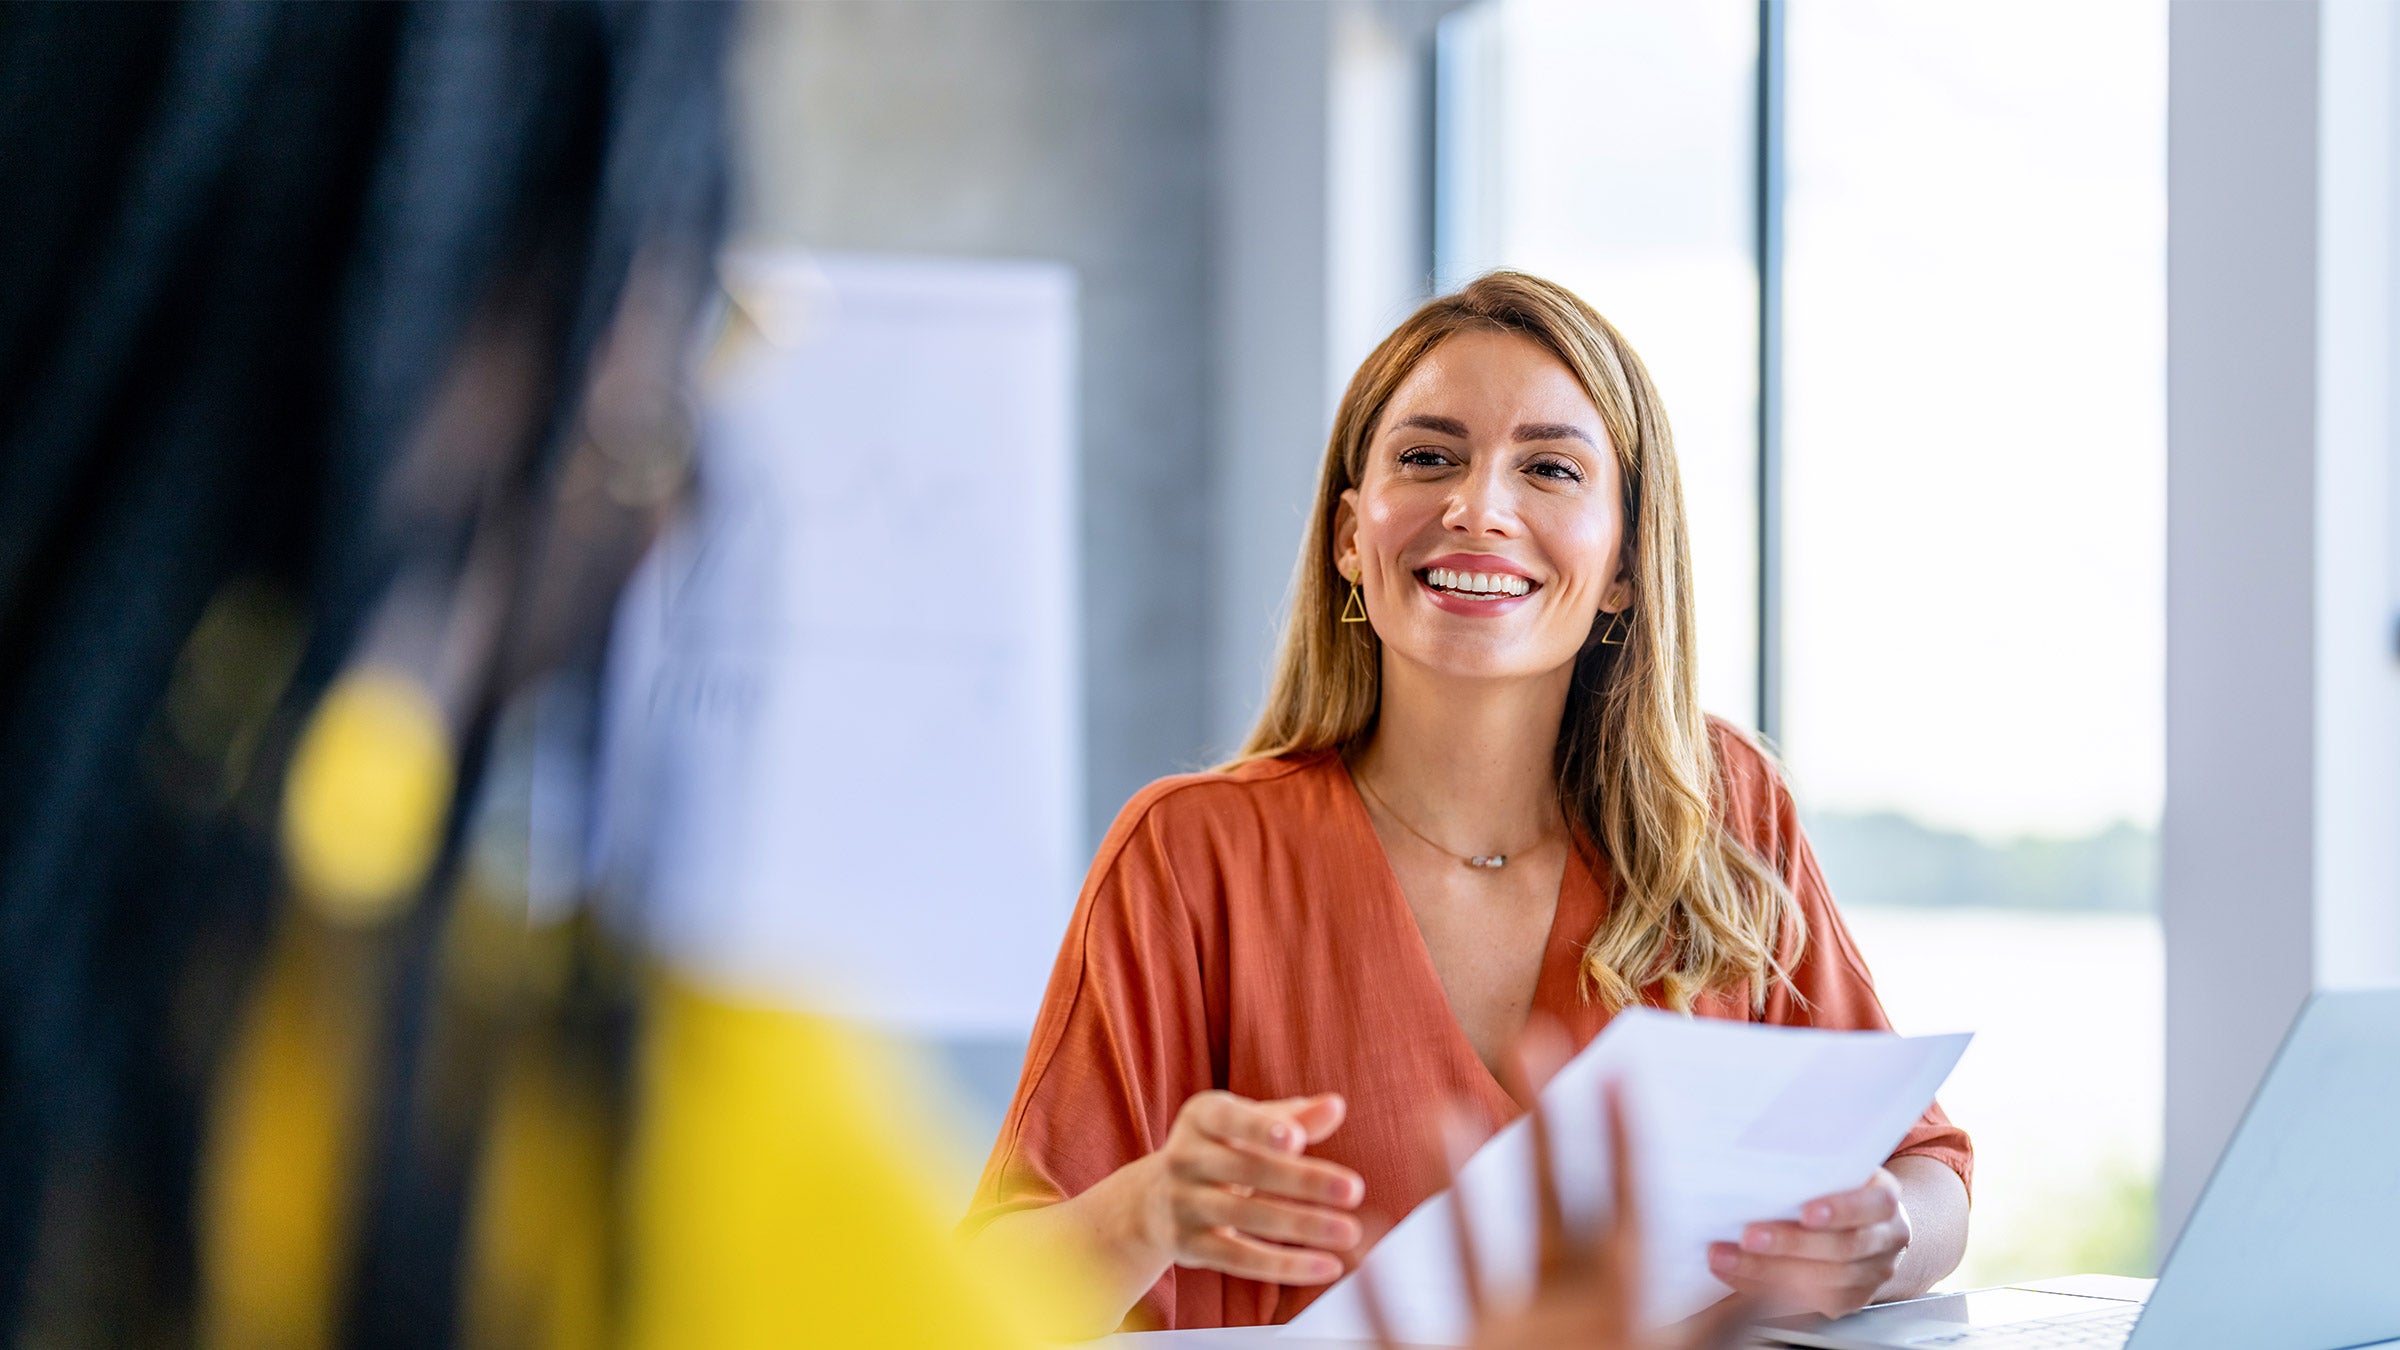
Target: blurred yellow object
[(780, 1197), (778, 1189), (538, 1256), (231, 672), (369, 787), (279, 1183)]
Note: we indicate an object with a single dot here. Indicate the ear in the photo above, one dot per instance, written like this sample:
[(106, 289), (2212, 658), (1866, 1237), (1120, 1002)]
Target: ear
[(1619, 595), (1345, 534)]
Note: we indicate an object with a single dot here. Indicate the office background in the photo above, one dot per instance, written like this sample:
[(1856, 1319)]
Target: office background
[(2027, 366)]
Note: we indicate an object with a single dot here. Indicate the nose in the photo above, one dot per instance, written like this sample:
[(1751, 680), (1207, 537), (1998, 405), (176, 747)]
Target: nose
[(1484, 502)]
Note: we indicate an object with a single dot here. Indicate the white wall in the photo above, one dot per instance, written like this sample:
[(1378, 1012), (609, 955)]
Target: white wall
[(1272, 325), (2358, 663), (2281, 837), (1324, 221)]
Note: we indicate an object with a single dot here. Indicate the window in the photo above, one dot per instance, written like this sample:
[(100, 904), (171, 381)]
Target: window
[(1974, 456)]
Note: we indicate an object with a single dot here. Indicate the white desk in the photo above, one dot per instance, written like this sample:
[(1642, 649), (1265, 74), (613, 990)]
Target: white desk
[(1265, 1338), (1232, 1338)]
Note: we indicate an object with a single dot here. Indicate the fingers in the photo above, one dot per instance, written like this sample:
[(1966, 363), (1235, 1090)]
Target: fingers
[(1543, 1049), (1370, 1300), (1842, 1250), (1554, 1245), (1838, 1247), (1261, 1217), (1250, 1259), (1313, 1180), (1239, 1194), (1457, 1147), (1316, 1116), (1833, 1261), (1625, 1222), (1621, 1250), (1275, 1127), (1829, 1289), (1874, 1202)]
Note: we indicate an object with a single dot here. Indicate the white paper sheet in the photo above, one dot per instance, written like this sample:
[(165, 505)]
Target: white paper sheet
[(1733, 1123)]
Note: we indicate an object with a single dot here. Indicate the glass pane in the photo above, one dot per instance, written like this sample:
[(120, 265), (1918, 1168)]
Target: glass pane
[(1974, 500), (1610, 147)]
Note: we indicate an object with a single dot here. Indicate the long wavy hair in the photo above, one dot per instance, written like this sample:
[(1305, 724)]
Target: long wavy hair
[(1696, 910)]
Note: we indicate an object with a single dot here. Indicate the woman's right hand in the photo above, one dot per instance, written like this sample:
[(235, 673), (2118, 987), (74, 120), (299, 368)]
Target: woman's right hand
[(1232, 1190)]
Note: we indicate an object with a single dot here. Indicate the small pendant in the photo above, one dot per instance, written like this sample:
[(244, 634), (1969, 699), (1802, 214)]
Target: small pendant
[(1489, 860)]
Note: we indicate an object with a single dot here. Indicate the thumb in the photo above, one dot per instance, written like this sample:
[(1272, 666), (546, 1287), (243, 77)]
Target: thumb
[(1315, 1117), (1321, 1115)]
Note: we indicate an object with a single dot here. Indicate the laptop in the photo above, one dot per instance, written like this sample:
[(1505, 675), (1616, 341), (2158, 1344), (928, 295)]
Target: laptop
[(2293, 1245)]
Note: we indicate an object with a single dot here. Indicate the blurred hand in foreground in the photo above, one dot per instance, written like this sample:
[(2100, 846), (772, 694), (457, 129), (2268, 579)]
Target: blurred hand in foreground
[(1588, 1284)]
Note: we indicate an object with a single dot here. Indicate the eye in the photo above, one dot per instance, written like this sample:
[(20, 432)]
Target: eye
[(1424, 457), (1556, 469)]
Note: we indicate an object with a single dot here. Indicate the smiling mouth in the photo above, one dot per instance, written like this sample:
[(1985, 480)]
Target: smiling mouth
[(1477, 585)]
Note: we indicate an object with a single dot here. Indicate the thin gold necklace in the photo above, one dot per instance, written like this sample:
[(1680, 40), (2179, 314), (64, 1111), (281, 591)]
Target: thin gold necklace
[(1484, 861)]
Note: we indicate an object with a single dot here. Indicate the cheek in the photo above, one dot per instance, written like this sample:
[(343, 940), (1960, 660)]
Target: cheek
[(1583, 545), (1385, 524)]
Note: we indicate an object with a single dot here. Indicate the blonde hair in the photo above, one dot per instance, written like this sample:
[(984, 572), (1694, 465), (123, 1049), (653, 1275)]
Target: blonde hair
[(1696, 910)]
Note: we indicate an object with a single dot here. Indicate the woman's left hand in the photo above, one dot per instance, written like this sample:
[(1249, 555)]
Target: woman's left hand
[(1844, 1249)]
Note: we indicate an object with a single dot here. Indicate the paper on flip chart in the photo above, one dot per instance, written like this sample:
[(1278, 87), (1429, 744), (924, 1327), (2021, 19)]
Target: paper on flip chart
[(1732, 1123)]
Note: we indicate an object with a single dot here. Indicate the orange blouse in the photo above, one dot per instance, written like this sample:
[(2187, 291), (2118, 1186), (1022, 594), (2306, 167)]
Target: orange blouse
[(1244, 931)]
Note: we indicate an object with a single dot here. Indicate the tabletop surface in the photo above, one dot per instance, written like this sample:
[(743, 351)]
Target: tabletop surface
[(1241, 1338), (1259, 1338)]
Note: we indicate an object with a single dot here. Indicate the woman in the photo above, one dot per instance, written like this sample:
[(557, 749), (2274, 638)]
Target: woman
[(1482, 789)]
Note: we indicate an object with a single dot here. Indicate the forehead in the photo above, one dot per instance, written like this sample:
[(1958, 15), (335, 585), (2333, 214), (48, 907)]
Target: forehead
[(1492, 381)]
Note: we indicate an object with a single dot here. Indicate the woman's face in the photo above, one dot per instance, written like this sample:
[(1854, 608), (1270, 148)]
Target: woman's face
[(1486, 526)]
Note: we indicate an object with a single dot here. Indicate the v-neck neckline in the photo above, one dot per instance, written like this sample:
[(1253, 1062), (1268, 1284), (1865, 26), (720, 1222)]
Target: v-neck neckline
[(1555, 966)]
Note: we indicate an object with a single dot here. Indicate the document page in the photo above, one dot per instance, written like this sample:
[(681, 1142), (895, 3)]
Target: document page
[(1732, 1123)]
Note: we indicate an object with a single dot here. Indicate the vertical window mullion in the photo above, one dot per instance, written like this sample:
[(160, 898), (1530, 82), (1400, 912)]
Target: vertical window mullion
[(1769, 203)]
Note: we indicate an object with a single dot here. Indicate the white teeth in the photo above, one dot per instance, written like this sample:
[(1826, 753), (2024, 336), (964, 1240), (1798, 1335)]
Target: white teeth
[(1477, 583)]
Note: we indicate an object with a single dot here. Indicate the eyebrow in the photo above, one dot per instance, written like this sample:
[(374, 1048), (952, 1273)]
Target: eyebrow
[(1553, 431), (1447, 426), (1530, 431)]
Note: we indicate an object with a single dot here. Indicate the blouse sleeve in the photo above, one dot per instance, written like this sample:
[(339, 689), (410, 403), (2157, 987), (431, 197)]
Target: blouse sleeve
[(1121, 1041), (1829, 985)]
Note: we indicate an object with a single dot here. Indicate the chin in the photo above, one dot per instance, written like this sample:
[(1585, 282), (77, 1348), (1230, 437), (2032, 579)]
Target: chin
[(1483, 660)]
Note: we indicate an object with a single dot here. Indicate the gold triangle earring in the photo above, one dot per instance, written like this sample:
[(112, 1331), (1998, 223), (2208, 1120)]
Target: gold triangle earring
[(1618, 627), (1356, 610)]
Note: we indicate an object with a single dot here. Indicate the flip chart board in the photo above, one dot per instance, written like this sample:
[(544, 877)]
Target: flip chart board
[(844, 743)]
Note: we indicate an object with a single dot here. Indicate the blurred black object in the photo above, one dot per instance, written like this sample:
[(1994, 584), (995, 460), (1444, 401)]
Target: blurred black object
[(296, 301)]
